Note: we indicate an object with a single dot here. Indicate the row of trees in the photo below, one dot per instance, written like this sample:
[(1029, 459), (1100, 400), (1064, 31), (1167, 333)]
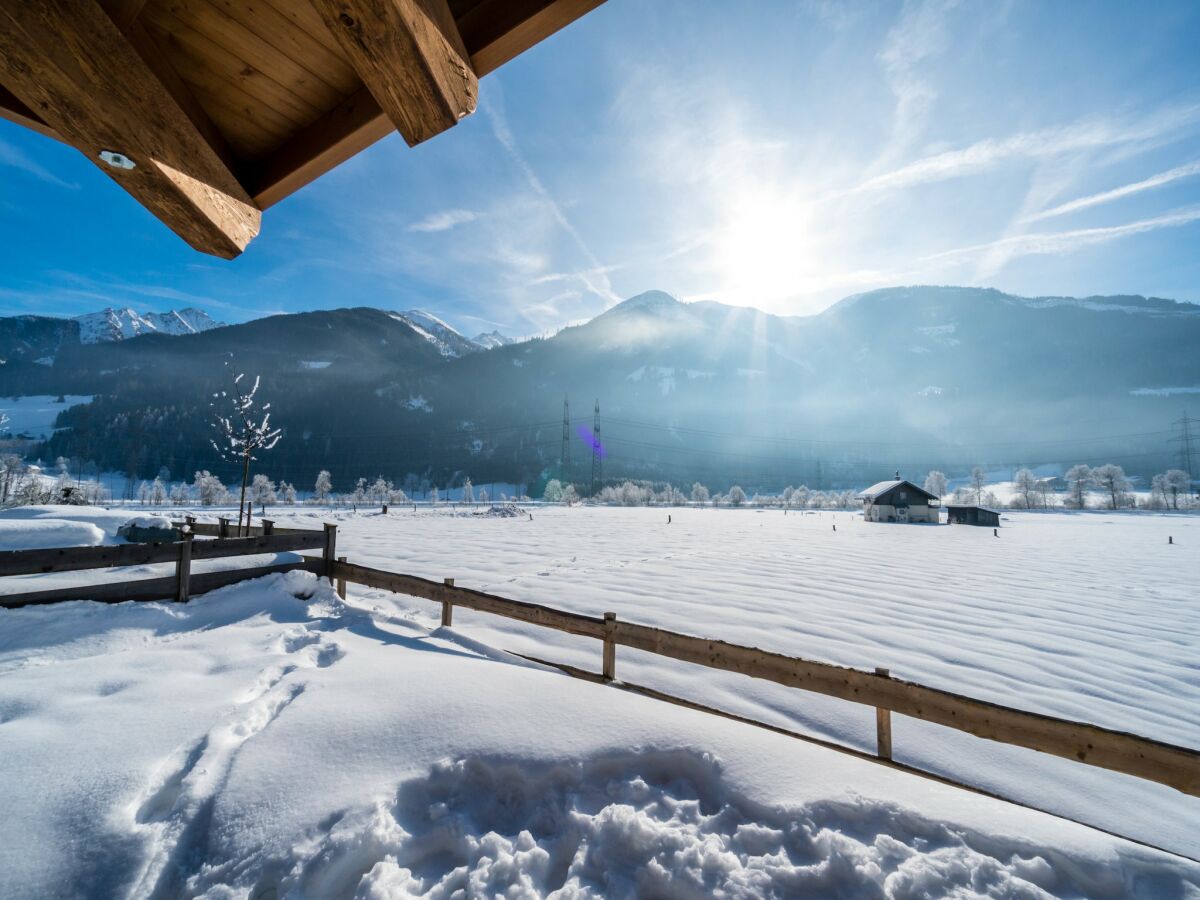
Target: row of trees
[(631, 493), (1168, 490)]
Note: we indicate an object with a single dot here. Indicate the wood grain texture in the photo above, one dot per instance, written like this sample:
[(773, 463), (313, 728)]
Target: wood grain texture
[(68, 62), (410, 56)]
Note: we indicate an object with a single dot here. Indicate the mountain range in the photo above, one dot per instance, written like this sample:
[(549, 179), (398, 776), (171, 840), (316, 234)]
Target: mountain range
[(898, 378)]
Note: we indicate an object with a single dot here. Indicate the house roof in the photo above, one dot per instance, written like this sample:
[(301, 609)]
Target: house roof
[(973, 506), (877, 490), (208, 113)]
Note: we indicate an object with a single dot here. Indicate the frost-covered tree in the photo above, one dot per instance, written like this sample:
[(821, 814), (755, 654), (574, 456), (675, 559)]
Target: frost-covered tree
[(209, 489), (569, 495), (1111, 479), (978, 483), (262, 490), (379, 490), (736, 496), (1026, 485), (287, 491), (1177, 482), (179, 494), (483, 495), (1079, 481), (242, 434), (468, 491), (553, 491), (433, 496), (323, 487), (937, 483), (699, 493), (1158, 492), (158, 492)]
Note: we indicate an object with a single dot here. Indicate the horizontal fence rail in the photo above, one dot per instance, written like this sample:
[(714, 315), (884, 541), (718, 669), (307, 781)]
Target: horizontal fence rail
[(1119, 751), (180, 586)]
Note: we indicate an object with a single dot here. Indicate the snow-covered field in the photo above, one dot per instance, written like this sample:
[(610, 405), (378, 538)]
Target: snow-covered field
[(35, 415), (270, 740)]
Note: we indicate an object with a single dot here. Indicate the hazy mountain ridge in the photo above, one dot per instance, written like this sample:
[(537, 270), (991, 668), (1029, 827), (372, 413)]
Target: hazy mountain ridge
[(945, 366)]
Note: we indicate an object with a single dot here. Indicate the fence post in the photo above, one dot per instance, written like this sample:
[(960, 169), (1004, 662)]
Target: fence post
[(341, 582), (609, 669), (268, 525), (883, 723), (330, 549), (183, 568), (190, 522), (222, 528), (385, 509), (447, 605)]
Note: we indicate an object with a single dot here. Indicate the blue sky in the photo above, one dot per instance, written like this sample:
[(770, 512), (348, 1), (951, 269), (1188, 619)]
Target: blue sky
[(773, 154)]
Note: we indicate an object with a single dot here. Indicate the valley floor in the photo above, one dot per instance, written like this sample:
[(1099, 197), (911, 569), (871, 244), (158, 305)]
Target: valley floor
[(271, 740)]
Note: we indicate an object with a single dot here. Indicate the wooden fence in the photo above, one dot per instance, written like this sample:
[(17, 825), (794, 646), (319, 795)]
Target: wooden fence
[(1178, 767), (181, 585)]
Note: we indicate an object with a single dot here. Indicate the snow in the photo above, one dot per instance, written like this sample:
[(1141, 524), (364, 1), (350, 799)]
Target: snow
[(147, 522), (315, 364), (33, 535), (490, 340), (418, 403), (34, 415), (271, 740), (121, 324), (448, 341)]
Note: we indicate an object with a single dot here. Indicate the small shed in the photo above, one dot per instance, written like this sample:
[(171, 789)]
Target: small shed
[(898, 501), (974, 515)]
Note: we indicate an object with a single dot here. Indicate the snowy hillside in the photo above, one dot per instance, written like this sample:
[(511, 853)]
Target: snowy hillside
[(271, 740), (121, 324), (448, 341), (489, 340)]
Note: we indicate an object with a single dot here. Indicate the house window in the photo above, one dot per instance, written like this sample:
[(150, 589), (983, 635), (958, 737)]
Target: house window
[(904, 495)]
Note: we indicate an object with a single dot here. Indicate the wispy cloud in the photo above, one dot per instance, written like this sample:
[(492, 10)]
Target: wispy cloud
[(444, 220), (13, 157), (598, 283), (1058, 242), (1136, 187), (987, 154)]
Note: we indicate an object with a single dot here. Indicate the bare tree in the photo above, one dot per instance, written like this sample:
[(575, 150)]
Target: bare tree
[(1079, 479), (978, 483), (1026, 484), (1177, 480), (1111, 478), (937, 483), (243, 435)]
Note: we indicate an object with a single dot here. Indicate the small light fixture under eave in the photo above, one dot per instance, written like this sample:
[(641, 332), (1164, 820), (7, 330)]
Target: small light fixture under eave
[(117, 160)]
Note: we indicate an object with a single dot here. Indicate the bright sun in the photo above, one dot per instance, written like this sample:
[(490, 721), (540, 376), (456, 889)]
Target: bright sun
[(767, 253)]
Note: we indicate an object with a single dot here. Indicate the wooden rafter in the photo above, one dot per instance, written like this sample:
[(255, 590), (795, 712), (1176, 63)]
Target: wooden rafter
[(70, 65), (410, 57)]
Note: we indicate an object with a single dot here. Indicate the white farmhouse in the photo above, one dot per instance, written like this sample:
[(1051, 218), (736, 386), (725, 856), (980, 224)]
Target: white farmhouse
[(898, 501)]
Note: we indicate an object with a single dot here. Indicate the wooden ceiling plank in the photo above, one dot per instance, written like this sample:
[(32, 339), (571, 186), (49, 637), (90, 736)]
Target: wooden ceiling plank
[(293, 40), (305, 16), (249, 50), (69, 63), (123, 12), (200, 58), (254, 113), (410, 56)]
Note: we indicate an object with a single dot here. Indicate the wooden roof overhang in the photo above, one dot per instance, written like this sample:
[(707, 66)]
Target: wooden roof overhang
[(210, 111)]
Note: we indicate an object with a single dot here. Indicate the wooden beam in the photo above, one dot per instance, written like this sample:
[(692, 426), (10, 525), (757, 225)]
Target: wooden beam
[(410, 57), (358, 121), (68, 62), (14, 110), (497, 31), (349, 128)]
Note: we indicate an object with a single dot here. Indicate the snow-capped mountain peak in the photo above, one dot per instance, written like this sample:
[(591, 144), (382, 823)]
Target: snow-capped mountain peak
[(490, 340), (113, 324), (447, 339)]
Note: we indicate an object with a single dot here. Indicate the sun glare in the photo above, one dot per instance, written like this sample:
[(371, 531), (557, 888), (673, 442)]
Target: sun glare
[(768, 251)]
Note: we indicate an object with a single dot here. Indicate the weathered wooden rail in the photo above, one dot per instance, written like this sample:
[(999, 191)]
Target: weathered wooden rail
[(1178, 767), (183, 583)]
